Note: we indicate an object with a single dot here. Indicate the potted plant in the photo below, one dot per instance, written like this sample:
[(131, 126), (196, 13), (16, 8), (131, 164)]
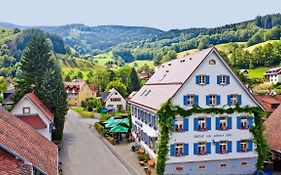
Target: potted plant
[(148, 171)]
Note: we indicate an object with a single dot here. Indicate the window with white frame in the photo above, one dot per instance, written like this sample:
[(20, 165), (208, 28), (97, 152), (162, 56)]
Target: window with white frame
[(244, 145), (223, 79), (223, 123), (244, 122), (179, 125), (202, 124), (190, 100), (202, 150), (213, 100), (233, 99), (202, 79), (179, 150), (223, 147), (26, 110)]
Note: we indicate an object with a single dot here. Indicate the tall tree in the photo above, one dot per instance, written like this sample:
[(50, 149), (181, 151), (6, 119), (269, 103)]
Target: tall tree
[(41, 73), (133, 83), (120, 87)]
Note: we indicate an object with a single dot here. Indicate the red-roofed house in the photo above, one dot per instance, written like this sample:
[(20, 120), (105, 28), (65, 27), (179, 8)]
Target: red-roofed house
[(145, 74), (23, 151), (32, 111), (78, 91), (269, 102), (201, 143), (273, 132)]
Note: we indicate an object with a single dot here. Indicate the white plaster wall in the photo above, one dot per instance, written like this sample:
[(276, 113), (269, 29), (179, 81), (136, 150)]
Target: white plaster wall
[(122, 102), (233, 135), (190, 87), (25, 102)]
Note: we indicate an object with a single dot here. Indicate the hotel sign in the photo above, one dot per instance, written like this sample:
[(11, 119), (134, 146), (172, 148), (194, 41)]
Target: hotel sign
[(201, 136)]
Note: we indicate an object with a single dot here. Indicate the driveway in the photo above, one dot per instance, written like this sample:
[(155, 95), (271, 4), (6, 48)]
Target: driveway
[(83, 153)]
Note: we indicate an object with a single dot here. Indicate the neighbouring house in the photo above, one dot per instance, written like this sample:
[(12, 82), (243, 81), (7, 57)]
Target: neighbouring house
[(113, 99), (78, 91), (273, 75), (145, 74), (132, 94), (269, 102), (273, 133), (244, 71), (9, 92), (23, 150), (201, 143), (31, 110)]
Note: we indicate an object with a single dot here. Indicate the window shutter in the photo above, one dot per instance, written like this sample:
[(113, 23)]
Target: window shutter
[(207, 100), (185, 124), (172, 150), (196, 100), (217, 147), (250, 145), (197, 79), (195, 124), (238, 146), (209, 123), (195, 148), (238, 122), (207, 79), (217, 123), (250, 121), (218, 99), (229, 100), (227, 79), (185, 149), (185, 100), (218, 79), (229, 122), (208, 147), (239, 99), (229, 146)]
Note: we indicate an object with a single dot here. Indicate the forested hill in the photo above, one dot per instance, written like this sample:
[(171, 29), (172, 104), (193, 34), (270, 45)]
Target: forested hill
[(86, 39)]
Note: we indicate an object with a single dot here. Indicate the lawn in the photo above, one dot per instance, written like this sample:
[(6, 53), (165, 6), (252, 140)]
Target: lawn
[(141, 63), (82, 112), (257, 72)]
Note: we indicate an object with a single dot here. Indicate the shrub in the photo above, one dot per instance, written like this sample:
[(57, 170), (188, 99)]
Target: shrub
[(146, 157), (104, 117), (140, 156), (100, 128), (111, 140)]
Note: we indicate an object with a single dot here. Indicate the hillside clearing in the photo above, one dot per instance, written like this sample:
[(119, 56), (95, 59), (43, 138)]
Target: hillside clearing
[(251, 48), (257, 72)]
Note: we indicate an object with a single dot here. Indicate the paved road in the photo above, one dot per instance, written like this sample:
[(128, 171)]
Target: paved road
[(83, 153)]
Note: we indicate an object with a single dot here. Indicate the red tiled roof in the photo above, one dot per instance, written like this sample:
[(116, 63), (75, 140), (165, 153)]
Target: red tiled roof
[(145, 74), (92, 87), (273, 130), (40, 105), (33, 120), (269, 102), (73, 84), (10, 165), (23, 141)]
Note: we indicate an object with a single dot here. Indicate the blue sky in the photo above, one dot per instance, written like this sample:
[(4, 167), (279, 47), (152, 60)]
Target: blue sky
[(163, 14)]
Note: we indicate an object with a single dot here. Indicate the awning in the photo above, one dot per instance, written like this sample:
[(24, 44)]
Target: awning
[(119, 128)]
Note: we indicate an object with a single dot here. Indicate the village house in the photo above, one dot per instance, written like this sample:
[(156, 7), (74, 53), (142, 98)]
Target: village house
[(269, 102), (145, 74), (23, 150), (113, 99), (79, 91), (200, 143), (273, 135), (273, 76), (32, 111)]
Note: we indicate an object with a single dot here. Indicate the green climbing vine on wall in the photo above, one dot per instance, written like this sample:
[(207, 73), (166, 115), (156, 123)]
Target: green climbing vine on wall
[(168, 112)]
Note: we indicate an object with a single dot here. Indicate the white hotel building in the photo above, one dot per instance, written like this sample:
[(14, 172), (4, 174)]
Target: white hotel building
[(201, 143)]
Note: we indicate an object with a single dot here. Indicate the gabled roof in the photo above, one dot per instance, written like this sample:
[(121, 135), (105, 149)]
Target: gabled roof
[(33, 120), (77, 84), (92, 87), (104, 96), (32, 97), (273, 130), (269, 102), (171, 76), (22, 141)]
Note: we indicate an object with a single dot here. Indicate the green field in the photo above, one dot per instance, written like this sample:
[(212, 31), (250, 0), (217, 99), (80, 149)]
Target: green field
[(251, 48), (185, 53), (140, 63), (257, 72), (6, 35), (102, 59)]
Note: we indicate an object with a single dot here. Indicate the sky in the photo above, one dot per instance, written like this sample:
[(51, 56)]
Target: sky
[(162, 14)]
